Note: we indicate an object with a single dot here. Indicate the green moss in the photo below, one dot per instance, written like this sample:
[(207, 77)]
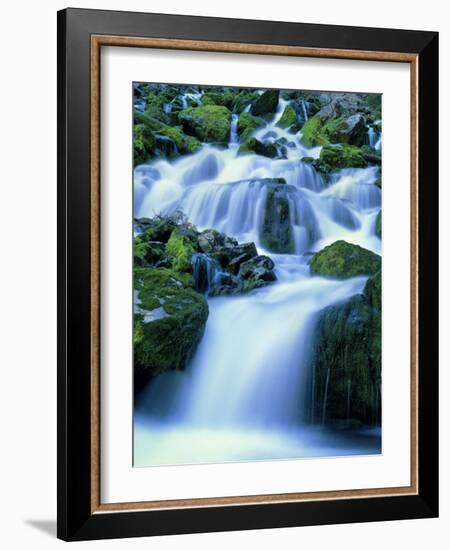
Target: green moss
[(218, 97), (147, 252), (343, 260), (138, 333), (311, 132), (243, 99), (184, 144), (210, 123), (247, 124), (152, 283), (378, 183), (253, 145), (378, 225), (288, 118), (169, 324), (143, 143), (180, 249), (342, 156), (150, 136)]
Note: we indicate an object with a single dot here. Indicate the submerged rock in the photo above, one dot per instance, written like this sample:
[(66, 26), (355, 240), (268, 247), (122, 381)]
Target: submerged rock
[(346, 360), (342, 260), (276, 233), (253, 145)]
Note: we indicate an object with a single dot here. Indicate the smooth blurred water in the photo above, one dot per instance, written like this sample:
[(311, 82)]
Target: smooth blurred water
[(245, 395)]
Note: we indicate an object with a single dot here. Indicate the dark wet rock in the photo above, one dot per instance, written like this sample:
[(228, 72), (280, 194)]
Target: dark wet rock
[(266, 103), (346, 361)]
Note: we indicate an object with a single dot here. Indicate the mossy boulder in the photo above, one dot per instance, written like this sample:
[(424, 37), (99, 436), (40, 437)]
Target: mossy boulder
[(144, 142), (346, 360), (328, 127), (185, 145), (288, 118), (219, 96), (247, 124), (314, 133), (276, 232), (342, 260), (266, 103), (210, 123), (243, 99), (378, 225), (169, 321), (253, 145), (152, 138), (342, 156)]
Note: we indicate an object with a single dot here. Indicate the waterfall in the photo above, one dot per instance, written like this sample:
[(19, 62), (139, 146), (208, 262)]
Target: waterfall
[(205, 270), (234, 137), (244, 393), (304, 106)]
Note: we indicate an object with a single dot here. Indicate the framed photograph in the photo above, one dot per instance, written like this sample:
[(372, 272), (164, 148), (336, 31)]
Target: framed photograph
[(247, 274)]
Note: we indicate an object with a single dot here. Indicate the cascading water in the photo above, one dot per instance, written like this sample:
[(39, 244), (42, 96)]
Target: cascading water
[(245, 393)]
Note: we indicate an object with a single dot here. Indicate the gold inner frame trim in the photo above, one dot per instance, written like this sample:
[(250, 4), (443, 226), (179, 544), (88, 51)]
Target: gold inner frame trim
[(97, 41)]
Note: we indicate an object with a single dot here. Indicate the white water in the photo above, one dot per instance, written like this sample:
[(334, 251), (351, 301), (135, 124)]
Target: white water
[(245, 394)]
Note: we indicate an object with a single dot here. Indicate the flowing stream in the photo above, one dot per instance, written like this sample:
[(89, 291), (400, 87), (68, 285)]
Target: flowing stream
[(246, 394)]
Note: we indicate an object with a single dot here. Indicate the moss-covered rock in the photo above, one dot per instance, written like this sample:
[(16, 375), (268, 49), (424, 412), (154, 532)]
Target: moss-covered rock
[(243, 99), (210, 123), (342, 260), (288, 118), (313, 132), (378, 225), (266, 103), (143, 143), (185, 145), (218, 96), (342, 156), (169, 321), (346, 360), (253, 145), (327, 127), (152, 138), (247, 124)]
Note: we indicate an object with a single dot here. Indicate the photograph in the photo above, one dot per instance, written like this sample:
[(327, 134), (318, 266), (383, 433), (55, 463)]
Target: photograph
[(257, 273)]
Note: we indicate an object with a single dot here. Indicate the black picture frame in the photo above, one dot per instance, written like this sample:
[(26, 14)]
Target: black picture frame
[(76, 520)]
